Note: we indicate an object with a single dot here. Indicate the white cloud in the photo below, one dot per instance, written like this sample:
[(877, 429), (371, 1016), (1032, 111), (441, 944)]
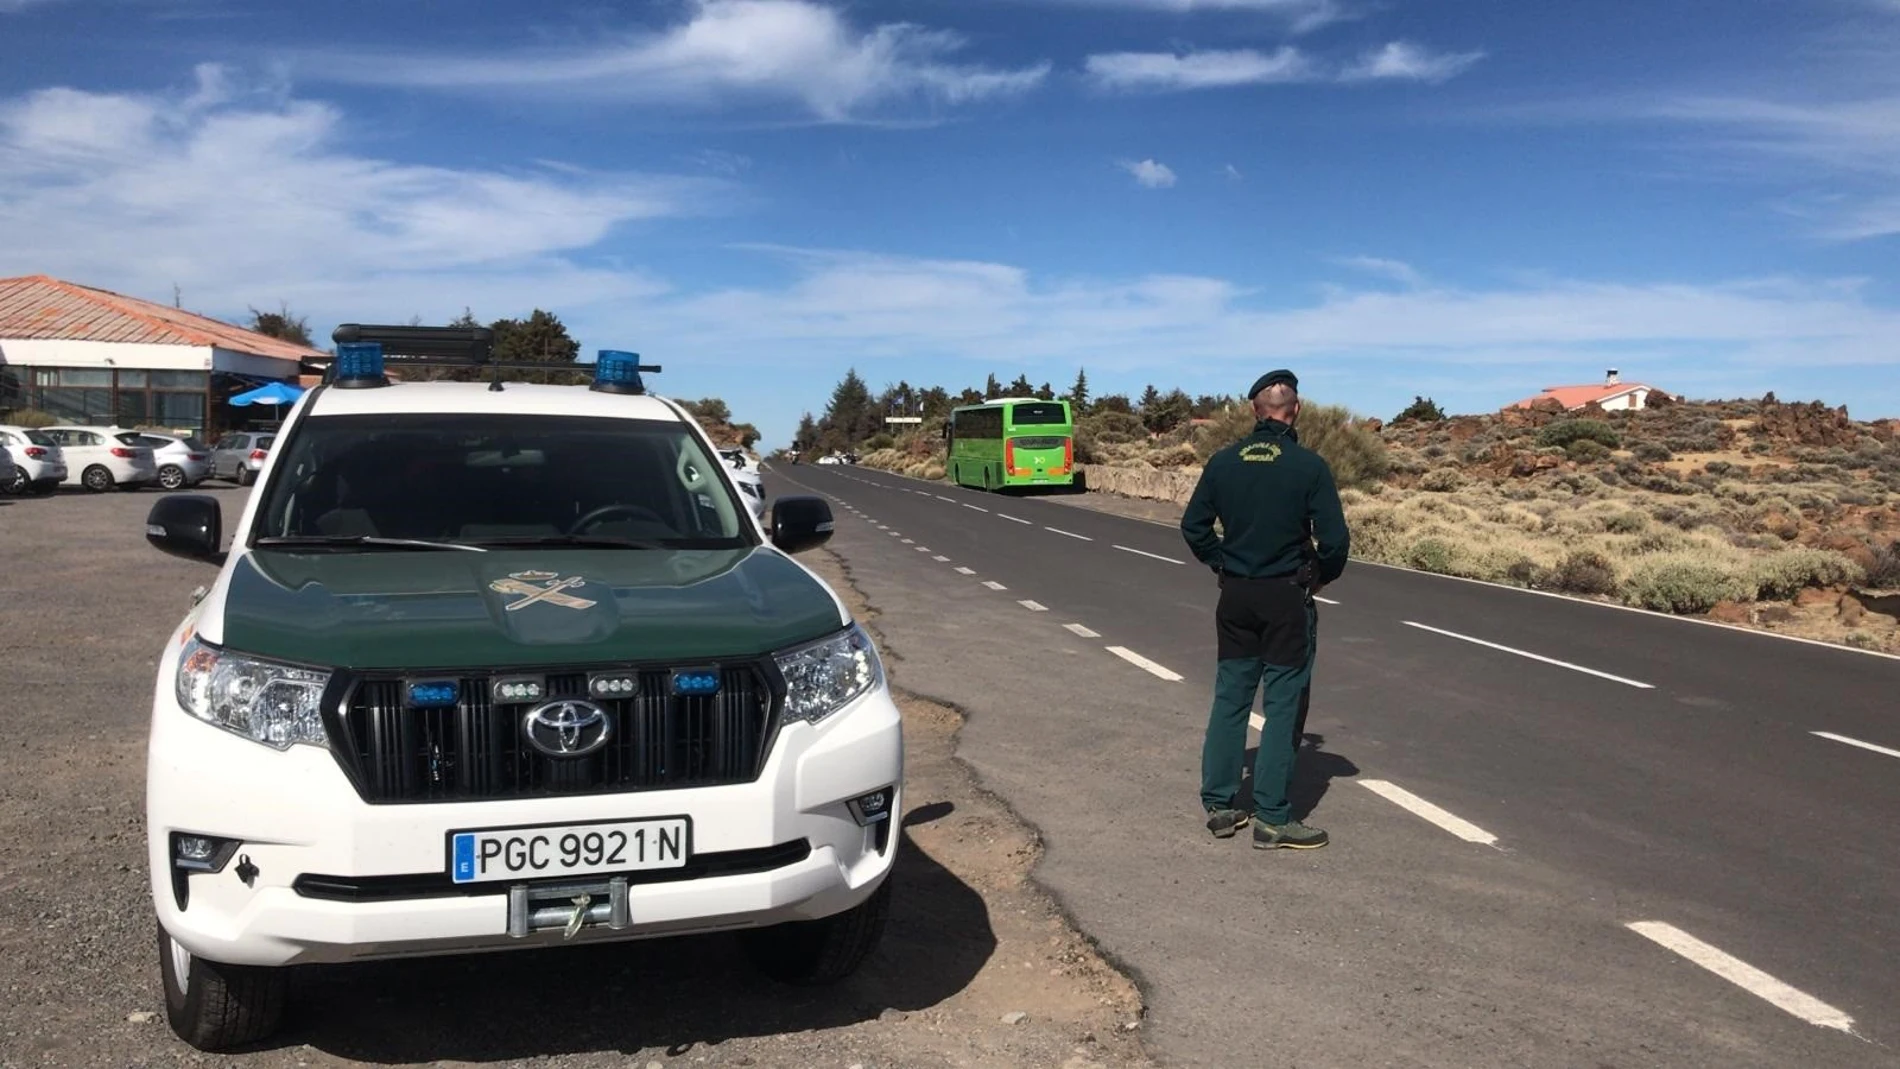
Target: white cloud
[(728, 52), (1302, 15), (1232, 172), (1198, 70), (241, 202), (1853, 145), (1149, 173), (1396, 270), (1215, 69), (1403, 60)]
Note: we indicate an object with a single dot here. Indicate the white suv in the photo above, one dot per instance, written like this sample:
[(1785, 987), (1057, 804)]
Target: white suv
[(97, 460), (460, 687)]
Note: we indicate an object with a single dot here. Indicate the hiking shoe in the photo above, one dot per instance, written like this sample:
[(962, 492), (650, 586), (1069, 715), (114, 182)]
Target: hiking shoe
[(1292, 835), (1225, 822)]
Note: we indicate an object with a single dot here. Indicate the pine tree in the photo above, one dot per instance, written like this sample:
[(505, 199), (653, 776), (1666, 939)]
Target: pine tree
[(1079, 393)]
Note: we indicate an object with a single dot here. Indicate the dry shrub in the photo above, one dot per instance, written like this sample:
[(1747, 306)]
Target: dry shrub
[(1782, 575), (1442, 480), (1181, 455), (1584, 572), (1686, 583), (1355, 454)]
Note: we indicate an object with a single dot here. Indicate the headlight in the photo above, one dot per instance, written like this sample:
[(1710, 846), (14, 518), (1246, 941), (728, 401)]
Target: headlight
[(826, 676), (275, 704)]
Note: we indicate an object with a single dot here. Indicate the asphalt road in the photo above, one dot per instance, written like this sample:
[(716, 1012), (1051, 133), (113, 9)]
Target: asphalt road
[(1564, 833)]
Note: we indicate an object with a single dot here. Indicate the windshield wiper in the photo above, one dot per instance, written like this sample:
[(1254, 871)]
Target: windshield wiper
[(579, 541), (358, 541)]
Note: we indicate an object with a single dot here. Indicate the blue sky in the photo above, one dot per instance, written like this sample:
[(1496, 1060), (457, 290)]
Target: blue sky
[(1469, 199)]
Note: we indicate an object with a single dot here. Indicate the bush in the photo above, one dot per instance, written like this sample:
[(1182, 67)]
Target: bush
[(1430, 555), (1627, 523), (1423, 409), (1885, 574), (1587, 451), (32, 418), (1684, 586), (1655, 452), (1441, 480), (1785, 574), (1230, 425), (1355, 454), (1583, 572), (880, 441), (1564, 432)]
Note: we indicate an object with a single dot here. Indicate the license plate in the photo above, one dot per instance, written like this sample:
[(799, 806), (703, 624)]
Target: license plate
[(568, 850)]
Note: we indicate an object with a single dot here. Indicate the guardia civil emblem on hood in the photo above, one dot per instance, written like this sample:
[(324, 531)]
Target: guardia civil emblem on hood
[(536, 587)]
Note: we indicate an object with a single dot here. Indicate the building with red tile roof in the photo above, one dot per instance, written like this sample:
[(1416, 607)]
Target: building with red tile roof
[(1612, 394), (88, 355)]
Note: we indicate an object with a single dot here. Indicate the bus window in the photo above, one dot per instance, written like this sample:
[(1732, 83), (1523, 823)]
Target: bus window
[(1038, 412)]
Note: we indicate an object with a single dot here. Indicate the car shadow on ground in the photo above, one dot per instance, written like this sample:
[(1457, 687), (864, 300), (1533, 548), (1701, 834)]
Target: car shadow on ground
[(678, 995), (1313, 776)]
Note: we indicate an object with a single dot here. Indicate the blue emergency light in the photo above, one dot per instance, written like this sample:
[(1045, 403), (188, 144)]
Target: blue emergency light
[(360, 363), (434, 692), (618, 371), (696, 682)]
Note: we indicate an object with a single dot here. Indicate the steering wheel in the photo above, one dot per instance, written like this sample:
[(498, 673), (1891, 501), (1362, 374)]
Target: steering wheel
[(634, 512)]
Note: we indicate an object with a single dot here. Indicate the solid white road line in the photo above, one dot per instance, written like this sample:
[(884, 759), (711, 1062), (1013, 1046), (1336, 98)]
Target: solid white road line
[(1532, 656), (1033, 606), (1856, 742), (994, 585), (1013, 519), (965, 571), (1419, 807), (1153, 556), (1744, 976), (1144, 663), (1080, 630), (1069, 534)]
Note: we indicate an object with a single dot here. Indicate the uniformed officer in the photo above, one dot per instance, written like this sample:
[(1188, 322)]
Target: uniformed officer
[(1283, 537)]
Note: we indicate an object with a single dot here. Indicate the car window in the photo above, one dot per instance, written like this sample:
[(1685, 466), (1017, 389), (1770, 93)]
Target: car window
[(265, 441), (40, 438), (132, 438), (195, 444), (89, 438), (475, 478)]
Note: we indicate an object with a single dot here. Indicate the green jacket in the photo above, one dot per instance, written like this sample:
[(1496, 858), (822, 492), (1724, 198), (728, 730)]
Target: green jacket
[(1274, 499)]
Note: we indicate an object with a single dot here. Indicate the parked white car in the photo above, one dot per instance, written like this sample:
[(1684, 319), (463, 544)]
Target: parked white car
[(39, 466), (182, 462), (745, 473), (97, 460)]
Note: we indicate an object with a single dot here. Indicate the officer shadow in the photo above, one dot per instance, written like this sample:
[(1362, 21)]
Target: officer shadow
[(677, 995), (1313, 775)]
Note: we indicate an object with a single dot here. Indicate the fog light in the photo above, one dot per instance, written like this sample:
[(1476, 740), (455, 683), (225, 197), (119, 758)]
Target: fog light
[(871, 808), (201, 853)]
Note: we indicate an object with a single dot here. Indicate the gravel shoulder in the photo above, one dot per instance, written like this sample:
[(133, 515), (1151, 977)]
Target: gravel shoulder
[(973, 943)]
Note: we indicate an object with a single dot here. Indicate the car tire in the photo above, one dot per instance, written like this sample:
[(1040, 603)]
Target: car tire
[(217, 1007), (97, 479), (824, 951), (19, 484), (246, 477), (171, 477)]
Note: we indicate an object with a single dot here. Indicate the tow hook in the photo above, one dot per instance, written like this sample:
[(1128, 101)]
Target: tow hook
[(568, 908)]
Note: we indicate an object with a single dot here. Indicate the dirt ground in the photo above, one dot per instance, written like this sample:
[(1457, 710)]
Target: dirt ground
[(978, 968)]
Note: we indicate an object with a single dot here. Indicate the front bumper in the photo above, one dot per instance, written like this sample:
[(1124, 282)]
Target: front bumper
[(334, 879)]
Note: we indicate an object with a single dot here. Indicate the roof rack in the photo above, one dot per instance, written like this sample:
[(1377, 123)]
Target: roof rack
[(363, 350)]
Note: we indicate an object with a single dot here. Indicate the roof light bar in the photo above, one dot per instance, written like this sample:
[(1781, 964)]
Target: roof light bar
[(360, 364), (618, 371)]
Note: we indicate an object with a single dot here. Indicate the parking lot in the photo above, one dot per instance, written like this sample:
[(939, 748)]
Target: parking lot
[(87, 608)]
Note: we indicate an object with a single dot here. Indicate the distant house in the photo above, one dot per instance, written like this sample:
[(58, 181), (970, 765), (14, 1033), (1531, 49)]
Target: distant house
[(88, 355), (1612, 394)]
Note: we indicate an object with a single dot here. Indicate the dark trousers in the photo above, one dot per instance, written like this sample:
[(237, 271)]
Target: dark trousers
[(1267, 632)]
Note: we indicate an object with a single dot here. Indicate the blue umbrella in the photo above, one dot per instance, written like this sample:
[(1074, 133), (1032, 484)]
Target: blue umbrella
[(273, 393)]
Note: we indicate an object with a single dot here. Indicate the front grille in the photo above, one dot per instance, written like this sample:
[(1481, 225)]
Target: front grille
[(476, 749)]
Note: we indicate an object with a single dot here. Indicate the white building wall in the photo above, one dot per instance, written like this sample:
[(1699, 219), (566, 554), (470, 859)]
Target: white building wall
[(59, 352), (267, 367), (1634, 399)]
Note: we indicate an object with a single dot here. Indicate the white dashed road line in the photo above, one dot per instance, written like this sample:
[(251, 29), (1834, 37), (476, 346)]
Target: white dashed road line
[(1856, 742), (965, 571), (941, 559), (982, 510), (1068, 534), (1012, 519), (1078, 629), (952, 500), (1033, 606), (1324, 601), (1144, 663), (1419, 807), (994, 585), (1744, 976), (1152, 556), (1532, 656), (923, 549)]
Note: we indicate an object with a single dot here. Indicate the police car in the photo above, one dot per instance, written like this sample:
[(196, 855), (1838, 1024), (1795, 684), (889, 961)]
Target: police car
[(462, 685)]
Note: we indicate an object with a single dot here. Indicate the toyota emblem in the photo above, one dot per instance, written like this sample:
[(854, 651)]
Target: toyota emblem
[(567, 728)]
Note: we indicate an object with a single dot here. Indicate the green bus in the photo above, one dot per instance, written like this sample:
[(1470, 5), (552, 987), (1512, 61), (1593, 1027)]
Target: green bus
[(1010, 441)]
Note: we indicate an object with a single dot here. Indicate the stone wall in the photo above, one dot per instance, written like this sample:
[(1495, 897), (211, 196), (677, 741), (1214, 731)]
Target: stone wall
[(1173, 485)]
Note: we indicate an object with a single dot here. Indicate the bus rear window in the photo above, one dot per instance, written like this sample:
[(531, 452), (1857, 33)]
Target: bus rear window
[(1038, 412), (1040, 442)]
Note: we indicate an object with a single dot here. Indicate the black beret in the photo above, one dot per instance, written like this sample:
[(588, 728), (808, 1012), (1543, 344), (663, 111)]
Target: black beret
[(1270, 378)]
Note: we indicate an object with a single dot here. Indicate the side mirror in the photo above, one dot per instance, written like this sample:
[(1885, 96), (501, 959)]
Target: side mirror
[(800, 523), (187, 525)]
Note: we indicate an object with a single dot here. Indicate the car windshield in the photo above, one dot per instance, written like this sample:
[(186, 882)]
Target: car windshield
[(499, 480), (195, 444)]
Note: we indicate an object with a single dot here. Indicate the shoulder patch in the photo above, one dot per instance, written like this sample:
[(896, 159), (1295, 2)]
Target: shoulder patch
[(1260, 452)]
